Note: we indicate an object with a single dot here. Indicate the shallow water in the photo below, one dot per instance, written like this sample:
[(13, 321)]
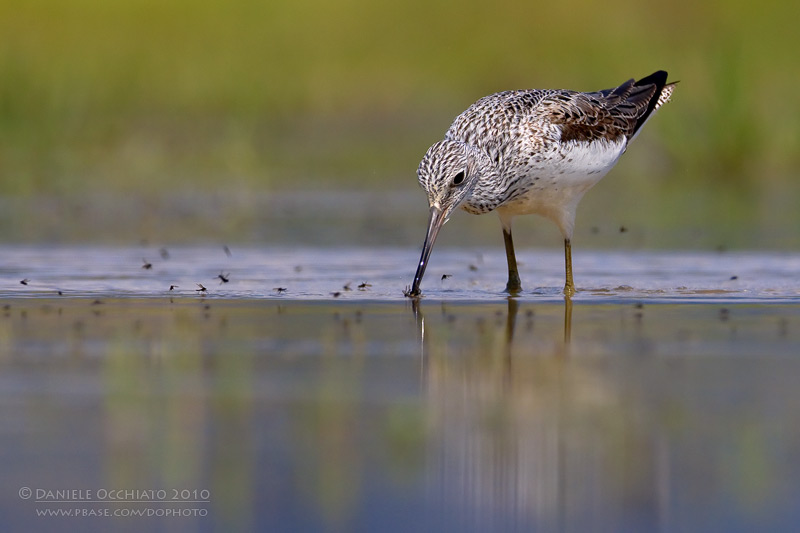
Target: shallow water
[(663, 398), (453, 274)]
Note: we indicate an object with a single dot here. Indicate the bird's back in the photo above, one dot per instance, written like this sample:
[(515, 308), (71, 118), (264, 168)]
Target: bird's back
[(497, 120), (551, 146)]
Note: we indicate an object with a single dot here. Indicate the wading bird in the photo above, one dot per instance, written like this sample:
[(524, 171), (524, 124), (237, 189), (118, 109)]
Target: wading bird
[(532, 152)]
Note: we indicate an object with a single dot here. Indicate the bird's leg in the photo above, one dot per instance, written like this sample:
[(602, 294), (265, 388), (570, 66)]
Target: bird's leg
[(569, 287), (513, 286)]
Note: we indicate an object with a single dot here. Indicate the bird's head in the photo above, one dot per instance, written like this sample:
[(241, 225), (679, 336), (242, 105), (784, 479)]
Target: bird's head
[(448, 172)]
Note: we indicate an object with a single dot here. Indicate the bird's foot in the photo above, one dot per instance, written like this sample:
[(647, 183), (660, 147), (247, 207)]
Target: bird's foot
[(513, 288), (514, 285)]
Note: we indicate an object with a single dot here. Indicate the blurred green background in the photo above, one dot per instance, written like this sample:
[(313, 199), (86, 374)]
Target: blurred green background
[(113, 113)]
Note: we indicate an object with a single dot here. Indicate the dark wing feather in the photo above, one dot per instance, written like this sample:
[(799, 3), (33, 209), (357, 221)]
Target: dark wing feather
[(656, 81), (606, 114)]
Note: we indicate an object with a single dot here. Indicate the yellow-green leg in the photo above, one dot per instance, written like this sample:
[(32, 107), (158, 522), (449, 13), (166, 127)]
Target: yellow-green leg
[(514, 285), (569, 287)]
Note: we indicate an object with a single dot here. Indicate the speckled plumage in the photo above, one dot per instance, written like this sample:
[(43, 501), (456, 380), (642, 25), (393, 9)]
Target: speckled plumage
[(533, 152)]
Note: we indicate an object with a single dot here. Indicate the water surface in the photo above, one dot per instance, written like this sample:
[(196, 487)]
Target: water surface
[(454, 274), (664, 398)]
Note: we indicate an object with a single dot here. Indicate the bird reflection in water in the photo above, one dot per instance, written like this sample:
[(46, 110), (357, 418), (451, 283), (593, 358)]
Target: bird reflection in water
[(524, 433), (500, 457), (511, 320)]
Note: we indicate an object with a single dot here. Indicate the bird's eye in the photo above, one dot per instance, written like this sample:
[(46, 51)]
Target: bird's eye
[(458, 179)]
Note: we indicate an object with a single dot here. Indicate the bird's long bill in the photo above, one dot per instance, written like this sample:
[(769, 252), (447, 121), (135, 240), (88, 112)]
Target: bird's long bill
[(435, 222)]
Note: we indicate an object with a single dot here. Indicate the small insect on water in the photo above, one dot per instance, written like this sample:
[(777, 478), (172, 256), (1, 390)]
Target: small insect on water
[(224, 278), (24, 281), (280, 290), (147, 265), (173, 287), (364, 286), (201, 289)]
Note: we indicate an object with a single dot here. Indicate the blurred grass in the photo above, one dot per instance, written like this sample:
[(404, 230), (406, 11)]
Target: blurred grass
[(144, 96)]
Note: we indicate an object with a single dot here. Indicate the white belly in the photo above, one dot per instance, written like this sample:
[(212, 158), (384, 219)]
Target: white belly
[(552, 185)]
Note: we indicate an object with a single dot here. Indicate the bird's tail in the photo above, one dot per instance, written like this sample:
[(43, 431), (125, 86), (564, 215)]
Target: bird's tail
[(656, 90), (666, 94), (658, 97)]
